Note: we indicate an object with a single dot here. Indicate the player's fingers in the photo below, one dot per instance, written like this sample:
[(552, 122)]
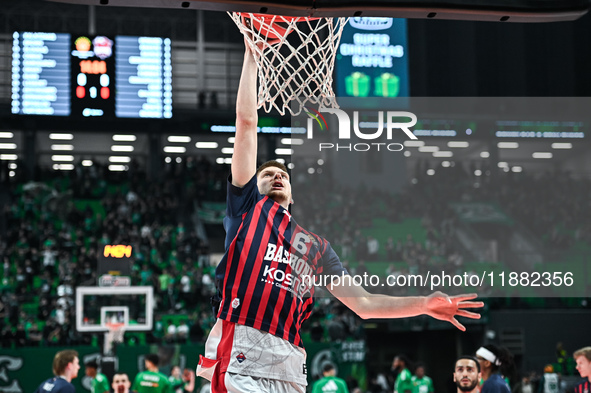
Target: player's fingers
[(470, 304), (457, 324), (468, 314), (466, 296)]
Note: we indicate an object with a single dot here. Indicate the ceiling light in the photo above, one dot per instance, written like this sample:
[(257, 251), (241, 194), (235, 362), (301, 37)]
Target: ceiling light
[(65, 137), (458, 144), (292, 141), (63, 167), (179, 139), (6, 134), (117, 168), (484, 154), (175, 149), (517, 169), (206, 145), (507, 145), (86, 162), (227, 150), (443, 154), (542, 154), (283, 151), (562, 145), (124, 138), (62, 158), (119, 159), (414, 143), (8, 146), (62, 147), (428, 149), (124, 148)]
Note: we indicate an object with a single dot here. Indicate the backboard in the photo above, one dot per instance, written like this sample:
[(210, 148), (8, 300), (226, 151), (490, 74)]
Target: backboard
[(482, 10), (98, 306)]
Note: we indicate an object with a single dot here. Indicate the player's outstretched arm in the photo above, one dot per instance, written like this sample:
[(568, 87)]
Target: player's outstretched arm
[(437, 305), (245, 144)]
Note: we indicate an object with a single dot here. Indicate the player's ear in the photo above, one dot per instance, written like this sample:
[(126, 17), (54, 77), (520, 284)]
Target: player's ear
[(291, 202)]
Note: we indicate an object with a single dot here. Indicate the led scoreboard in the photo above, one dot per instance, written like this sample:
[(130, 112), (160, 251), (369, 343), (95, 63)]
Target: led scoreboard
[(91, 76), (40, 74), (144, 82)]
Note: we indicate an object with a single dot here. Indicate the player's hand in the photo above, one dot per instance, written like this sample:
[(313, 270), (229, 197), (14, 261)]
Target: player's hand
[(446, 308)]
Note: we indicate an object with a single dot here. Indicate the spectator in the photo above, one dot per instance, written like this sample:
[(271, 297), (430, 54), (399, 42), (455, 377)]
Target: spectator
[(121, 383), (403, 382), (495, 364)]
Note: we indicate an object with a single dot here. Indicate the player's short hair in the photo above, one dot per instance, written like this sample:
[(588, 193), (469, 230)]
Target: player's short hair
[(121, 374), (271, 163), (62, 359), (91, 364), (328, 367), (585, 351), (473, 358), (152, 358)]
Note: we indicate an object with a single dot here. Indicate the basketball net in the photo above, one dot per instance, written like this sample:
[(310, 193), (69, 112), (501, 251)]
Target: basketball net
[(300, 66), (114, 335)]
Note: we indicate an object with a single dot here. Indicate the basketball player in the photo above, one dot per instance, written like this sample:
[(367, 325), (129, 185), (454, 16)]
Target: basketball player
[(151, 381), (467, 375), (121, 383), (100, 383), (583, 360), (263, 280), (65, 368), (496, 363)]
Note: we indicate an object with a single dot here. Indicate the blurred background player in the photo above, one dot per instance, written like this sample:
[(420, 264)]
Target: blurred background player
[(420, 382), (330, 383), (99, 384), (403, 382), (550, 381), (181, 382), (467, 374), (496, 364), (65, 368), (583, 359), (121, 383), (151, 381)]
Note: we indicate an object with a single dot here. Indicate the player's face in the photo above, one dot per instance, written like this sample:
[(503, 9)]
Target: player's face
[(274, 182), (466, 375), (584, 366), (121, 383), (90, 372), (420, 372), (74, 367)]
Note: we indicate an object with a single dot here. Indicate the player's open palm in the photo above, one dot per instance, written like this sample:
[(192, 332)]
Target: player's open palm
[(447, 308)]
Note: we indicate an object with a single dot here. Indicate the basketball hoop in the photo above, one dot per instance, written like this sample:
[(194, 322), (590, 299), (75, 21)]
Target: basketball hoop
[(114, 335), (299, 69)]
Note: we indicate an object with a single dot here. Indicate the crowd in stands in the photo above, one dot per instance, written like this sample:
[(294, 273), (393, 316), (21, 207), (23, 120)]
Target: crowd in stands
[(56, 228)]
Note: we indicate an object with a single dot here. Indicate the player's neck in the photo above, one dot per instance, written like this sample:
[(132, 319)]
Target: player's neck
[(67, 377)]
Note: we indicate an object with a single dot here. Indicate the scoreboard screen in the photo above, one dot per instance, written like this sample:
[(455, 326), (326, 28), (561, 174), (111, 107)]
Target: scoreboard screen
[(372, 59), (40, 74), (91, 76), (144, 81)]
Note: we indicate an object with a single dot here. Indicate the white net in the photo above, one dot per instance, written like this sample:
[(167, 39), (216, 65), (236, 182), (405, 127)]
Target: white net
[(113, 336), (299, 67)]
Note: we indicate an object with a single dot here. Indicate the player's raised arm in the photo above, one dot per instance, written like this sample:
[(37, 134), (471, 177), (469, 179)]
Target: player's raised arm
[(245, 144), (437, 305)]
